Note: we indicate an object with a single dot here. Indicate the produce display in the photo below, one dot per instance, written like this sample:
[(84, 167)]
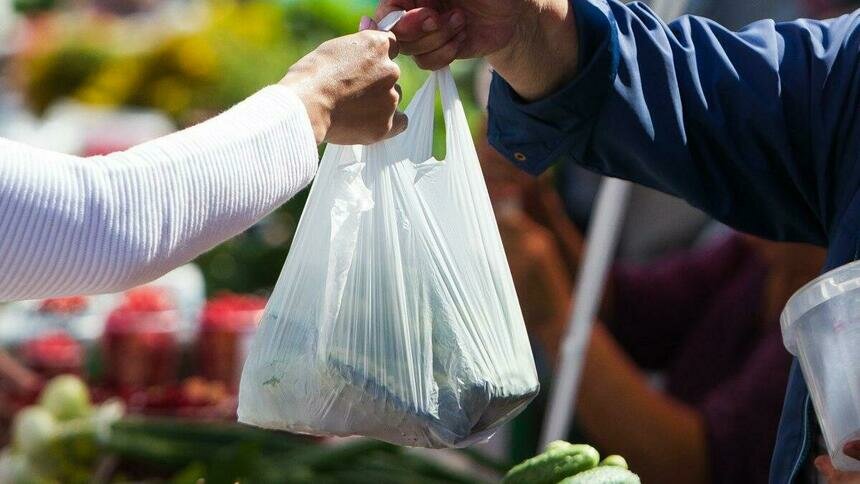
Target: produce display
[(83, 443), (55, 353), (56, 441), (566, 463), (140, 340), (226, 330)]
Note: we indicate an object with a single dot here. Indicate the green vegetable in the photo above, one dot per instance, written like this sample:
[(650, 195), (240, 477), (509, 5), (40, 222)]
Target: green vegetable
[(67, 397), (16, 469), (615, 461), (30, 6), (558, 445), (105, 415), (209, 432), (33, 427), (70, 455), (560, 460), (159, 452), (603, 475), (324, 457), (423, 468)]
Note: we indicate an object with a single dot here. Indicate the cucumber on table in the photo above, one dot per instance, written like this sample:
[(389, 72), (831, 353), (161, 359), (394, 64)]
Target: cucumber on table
[(560, 460), (615, 461), (603, 475), (209, 432)]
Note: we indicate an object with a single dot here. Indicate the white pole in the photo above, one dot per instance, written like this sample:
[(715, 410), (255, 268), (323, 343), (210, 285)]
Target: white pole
[(602, 241)]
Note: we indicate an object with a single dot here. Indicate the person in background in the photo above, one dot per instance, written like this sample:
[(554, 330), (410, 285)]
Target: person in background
[(759, 128), (71, 225), (824, 9), (706, 320)]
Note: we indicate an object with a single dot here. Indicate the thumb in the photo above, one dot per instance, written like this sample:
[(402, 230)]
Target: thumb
[(398, 125), (367, 23)]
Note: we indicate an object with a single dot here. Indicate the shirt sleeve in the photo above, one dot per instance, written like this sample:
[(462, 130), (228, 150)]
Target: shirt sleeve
[(71, 225), (759, 128), (655, 305)]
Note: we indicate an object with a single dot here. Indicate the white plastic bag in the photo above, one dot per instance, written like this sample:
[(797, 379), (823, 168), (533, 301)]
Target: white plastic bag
[(395, 316)]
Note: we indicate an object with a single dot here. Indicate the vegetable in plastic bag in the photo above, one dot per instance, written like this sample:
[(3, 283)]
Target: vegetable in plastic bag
[(395, 316)]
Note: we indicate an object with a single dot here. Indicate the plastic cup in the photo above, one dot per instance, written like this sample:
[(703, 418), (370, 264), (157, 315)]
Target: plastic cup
[(821, 327)]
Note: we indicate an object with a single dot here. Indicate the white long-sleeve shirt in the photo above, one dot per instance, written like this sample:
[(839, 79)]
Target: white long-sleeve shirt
[(72, 225)]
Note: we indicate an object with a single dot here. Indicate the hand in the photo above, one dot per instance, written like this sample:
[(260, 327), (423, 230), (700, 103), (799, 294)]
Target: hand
[(349, 88), (833, 475), (531, 43)]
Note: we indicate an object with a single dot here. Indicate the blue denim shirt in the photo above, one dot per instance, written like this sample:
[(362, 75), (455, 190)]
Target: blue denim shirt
[(759, 128)]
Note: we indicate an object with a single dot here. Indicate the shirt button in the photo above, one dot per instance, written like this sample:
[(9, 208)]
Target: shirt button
[(519, 156)]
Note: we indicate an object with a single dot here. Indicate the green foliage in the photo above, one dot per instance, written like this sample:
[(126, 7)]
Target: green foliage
[(50, 81), (317, 21)]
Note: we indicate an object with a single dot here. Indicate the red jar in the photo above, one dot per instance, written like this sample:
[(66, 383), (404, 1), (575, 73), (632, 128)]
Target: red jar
[(227, 326), (53, 354), (140, 342)]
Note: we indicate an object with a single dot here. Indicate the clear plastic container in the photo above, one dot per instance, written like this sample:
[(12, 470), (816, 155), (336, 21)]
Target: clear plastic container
[(821, 326)]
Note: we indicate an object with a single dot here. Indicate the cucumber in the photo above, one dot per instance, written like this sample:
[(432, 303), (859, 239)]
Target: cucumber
[(560, 460), (209, 433), (330, 457), (558, 445), (615, 461), (426, 468), (159, 452), (603, 475)]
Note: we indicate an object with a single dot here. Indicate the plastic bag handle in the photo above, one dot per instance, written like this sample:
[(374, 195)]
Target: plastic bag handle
[(452, 107), (389, 21), (453, 111)]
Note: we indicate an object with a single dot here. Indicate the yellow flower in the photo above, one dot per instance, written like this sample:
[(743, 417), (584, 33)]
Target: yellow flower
[(196, 57), (257, 23), (113, 85)]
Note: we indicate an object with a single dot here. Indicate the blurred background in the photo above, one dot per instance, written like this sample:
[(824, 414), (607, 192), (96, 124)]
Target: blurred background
[(90, 77)]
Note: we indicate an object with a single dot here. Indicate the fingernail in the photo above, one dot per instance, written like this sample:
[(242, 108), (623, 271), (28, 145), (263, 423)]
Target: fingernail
[(430, 25), (365, 23), (457, 20)]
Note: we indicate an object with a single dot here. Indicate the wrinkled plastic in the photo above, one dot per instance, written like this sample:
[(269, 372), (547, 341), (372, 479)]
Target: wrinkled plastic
[(395, 316)]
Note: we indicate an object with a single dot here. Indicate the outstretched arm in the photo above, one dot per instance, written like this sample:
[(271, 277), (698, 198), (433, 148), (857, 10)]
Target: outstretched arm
[(89, 225), (759, 128)]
